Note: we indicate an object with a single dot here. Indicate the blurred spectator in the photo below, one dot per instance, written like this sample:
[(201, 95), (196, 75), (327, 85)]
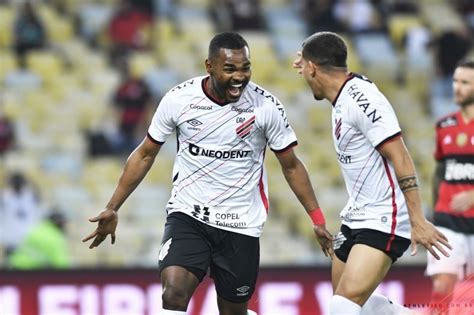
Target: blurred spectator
[(402, 7), (416, 41), (237, 15), (144, 5), (7, 134), (358, 16), (45, 246), (20, 211), (450, 47), (101, 139), (129, 29), (22, 79), (466, 9), (131, 100), (29, 32), (92, 17), (319, 16)]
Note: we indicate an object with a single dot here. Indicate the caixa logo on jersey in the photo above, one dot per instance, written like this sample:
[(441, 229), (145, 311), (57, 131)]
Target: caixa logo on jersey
[(218, 154)]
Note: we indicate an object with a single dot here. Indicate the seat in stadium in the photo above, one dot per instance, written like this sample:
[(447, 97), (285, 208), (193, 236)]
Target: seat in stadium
[(45, 63)]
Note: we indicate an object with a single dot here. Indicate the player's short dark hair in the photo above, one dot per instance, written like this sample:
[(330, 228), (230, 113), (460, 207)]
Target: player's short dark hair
[(325, 49), (229, 40), (465, 63)]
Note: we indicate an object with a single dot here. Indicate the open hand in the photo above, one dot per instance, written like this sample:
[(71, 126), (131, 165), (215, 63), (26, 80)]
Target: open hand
[(107, 223), (324, 239), (426, 234)]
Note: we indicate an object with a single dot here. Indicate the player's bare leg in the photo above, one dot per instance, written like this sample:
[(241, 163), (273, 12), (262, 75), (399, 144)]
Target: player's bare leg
[(337, 268), (229, 308), (178, 287), (366, 267)]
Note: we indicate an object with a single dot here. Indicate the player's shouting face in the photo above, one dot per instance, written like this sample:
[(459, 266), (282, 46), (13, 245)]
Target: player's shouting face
[(229, 73)]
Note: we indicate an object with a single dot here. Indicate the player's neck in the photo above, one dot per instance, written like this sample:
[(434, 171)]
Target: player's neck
[(467, 113), (211, 91), (335, 84)]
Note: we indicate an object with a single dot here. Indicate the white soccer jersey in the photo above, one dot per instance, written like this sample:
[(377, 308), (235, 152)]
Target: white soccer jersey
[(218, 174), (362, 120)]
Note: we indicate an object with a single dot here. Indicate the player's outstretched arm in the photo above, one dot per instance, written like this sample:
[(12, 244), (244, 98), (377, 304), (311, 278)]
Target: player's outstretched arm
[(137, 166), (297, 177), (422, 231)]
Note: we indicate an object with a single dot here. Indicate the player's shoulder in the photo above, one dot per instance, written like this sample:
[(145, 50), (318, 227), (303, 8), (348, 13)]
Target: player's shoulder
[(186, 86), (359, 90), (260, 96), (365, 85), (447, 121)]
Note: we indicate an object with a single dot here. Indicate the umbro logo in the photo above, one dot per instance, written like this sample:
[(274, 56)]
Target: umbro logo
[(194, 122), (243, 290), (164, 249), (338, 240)]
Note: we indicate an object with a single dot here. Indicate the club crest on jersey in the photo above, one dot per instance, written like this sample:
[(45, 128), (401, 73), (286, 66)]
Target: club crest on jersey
[(461, 139), (244, 129)]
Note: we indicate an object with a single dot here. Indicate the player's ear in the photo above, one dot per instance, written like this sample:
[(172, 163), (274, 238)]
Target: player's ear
[(208, 65), (313, 68)]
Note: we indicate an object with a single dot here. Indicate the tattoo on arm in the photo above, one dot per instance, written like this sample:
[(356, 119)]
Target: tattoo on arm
[(408, 183)]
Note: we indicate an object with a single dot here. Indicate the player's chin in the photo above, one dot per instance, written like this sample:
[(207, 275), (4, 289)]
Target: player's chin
[(233, 97), (317, 97)]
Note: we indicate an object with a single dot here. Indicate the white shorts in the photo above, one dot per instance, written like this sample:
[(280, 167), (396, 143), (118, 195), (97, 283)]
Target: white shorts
[(461, 259)]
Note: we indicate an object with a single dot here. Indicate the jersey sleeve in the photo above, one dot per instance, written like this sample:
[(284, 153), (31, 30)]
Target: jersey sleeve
[(164, 120), (279, 134), (376, 120)]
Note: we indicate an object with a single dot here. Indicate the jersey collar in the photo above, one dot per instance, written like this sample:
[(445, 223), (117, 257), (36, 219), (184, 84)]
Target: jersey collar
[(348, 78)]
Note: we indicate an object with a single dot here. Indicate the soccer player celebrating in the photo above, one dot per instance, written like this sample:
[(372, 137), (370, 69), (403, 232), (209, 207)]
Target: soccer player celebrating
[(219, 201), (384, 209)]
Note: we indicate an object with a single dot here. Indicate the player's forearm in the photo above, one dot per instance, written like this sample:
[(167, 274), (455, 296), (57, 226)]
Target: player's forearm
[(408, 182), (135, 169), (413, 200), (299, 182), (470, 196)]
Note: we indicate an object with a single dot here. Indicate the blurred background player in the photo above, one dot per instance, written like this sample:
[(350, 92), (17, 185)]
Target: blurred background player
[(454, 191)]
